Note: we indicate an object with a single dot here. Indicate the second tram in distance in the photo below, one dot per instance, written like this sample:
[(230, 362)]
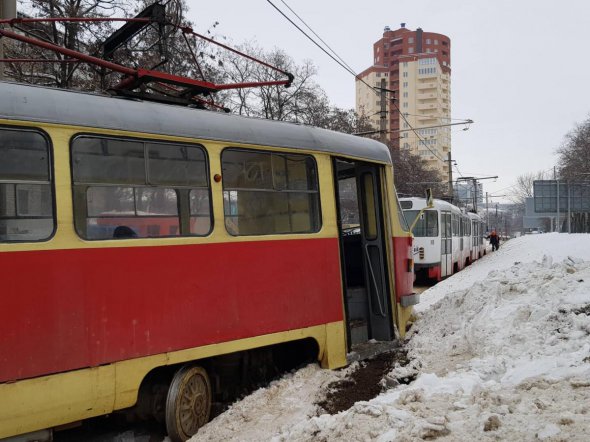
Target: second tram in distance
[(445, 238)]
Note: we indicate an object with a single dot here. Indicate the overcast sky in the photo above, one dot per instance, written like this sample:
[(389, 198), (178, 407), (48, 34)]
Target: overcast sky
[(520, 68)]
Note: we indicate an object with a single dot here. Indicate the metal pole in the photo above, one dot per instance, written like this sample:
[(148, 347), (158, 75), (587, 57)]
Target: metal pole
[(487, 214), (450, 176), (475, 195), (558, 220), (569, 209), (496, 218), (383, 116)]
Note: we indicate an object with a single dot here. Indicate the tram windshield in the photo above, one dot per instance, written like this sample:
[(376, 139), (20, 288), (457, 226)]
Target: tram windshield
[(427, 225)]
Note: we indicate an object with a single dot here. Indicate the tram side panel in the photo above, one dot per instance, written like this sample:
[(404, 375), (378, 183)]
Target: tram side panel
[(87, 315), (78, 315), (85, 308)]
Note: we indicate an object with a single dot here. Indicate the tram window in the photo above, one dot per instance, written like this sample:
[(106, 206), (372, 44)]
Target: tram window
[(349, 206), (369, 209), (102, 160), (136, 189), (267, 193), (144, 211), (400, 212), (200, 211), (176, 165), (26, 200), (427, 225), (455, 224)]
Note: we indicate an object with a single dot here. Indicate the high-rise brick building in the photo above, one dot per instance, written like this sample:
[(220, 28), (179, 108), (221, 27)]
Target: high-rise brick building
[(417, 67)]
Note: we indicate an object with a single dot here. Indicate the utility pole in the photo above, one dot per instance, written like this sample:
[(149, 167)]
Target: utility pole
[(496, 217), (558, 218), (487, 214), (449, 160), (7, 10), (474, 195), (474, 181), (569, 208), (383, 117)]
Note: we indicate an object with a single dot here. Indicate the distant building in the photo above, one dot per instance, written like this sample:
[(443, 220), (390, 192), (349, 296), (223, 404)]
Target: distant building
[(417, 68)]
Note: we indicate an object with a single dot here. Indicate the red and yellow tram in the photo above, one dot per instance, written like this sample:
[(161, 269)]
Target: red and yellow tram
[(141, 241)]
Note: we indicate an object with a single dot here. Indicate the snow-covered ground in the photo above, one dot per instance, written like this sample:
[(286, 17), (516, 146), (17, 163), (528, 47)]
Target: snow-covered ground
[(501, 352)]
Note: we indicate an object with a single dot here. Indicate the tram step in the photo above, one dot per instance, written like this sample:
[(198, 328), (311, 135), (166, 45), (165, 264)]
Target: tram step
[(359, 332), (357, 303)]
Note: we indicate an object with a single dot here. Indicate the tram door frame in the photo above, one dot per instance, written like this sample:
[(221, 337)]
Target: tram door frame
[(474, 240), (376, 264), (446, 243)]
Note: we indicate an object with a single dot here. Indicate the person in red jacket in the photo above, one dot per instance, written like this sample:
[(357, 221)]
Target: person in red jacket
[(494, 240)]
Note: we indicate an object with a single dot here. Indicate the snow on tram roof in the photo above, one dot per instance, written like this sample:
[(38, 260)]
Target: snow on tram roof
[(419, 203), (48, 105)]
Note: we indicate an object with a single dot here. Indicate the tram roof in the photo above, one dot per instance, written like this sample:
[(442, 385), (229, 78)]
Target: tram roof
[(49, 105), (419, 203)]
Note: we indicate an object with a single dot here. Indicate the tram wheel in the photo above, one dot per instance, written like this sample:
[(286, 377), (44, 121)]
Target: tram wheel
[(188, 403)]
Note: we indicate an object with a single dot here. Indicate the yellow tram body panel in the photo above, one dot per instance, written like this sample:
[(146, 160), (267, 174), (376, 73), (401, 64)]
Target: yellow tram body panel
[(32, 401)]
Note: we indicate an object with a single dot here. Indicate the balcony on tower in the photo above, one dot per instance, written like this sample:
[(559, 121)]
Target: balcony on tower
[(426, 85), (427, 96)]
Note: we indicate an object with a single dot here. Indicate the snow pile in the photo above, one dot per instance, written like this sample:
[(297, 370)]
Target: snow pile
[(524, 249), (268, 410), (501, 352)]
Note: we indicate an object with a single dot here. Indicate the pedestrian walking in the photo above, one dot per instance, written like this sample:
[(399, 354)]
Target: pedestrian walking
[(494, 240)]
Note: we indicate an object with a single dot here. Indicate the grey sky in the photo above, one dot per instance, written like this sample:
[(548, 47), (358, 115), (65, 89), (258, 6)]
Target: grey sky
[(519, 68)]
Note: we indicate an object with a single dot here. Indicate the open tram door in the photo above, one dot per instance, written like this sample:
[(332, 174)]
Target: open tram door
[(364, 259)]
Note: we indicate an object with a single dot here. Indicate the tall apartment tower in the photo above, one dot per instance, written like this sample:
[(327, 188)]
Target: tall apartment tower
[(417, 68)]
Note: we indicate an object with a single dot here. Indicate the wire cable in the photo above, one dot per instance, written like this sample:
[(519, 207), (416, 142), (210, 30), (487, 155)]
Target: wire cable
[(320, 38), (343, 65)]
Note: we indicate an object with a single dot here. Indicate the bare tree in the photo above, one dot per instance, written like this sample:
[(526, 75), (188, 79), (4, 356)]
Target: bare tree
[(166, 47), (161, 46), (73, 35), (524, 188), (302, 102), (574, 153), (412, 176)]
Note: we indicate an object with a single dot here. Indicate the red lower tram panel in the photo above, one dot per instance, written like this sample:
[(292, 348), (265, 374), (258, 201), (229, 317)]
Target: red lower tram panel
[(69, 309), (404, 272)]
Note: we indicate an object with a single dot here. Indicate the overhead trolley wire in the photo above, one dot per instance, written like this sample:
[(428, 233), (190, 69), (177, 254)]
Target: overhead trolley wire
[(320, 38), (342, 64), (345, 66)]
